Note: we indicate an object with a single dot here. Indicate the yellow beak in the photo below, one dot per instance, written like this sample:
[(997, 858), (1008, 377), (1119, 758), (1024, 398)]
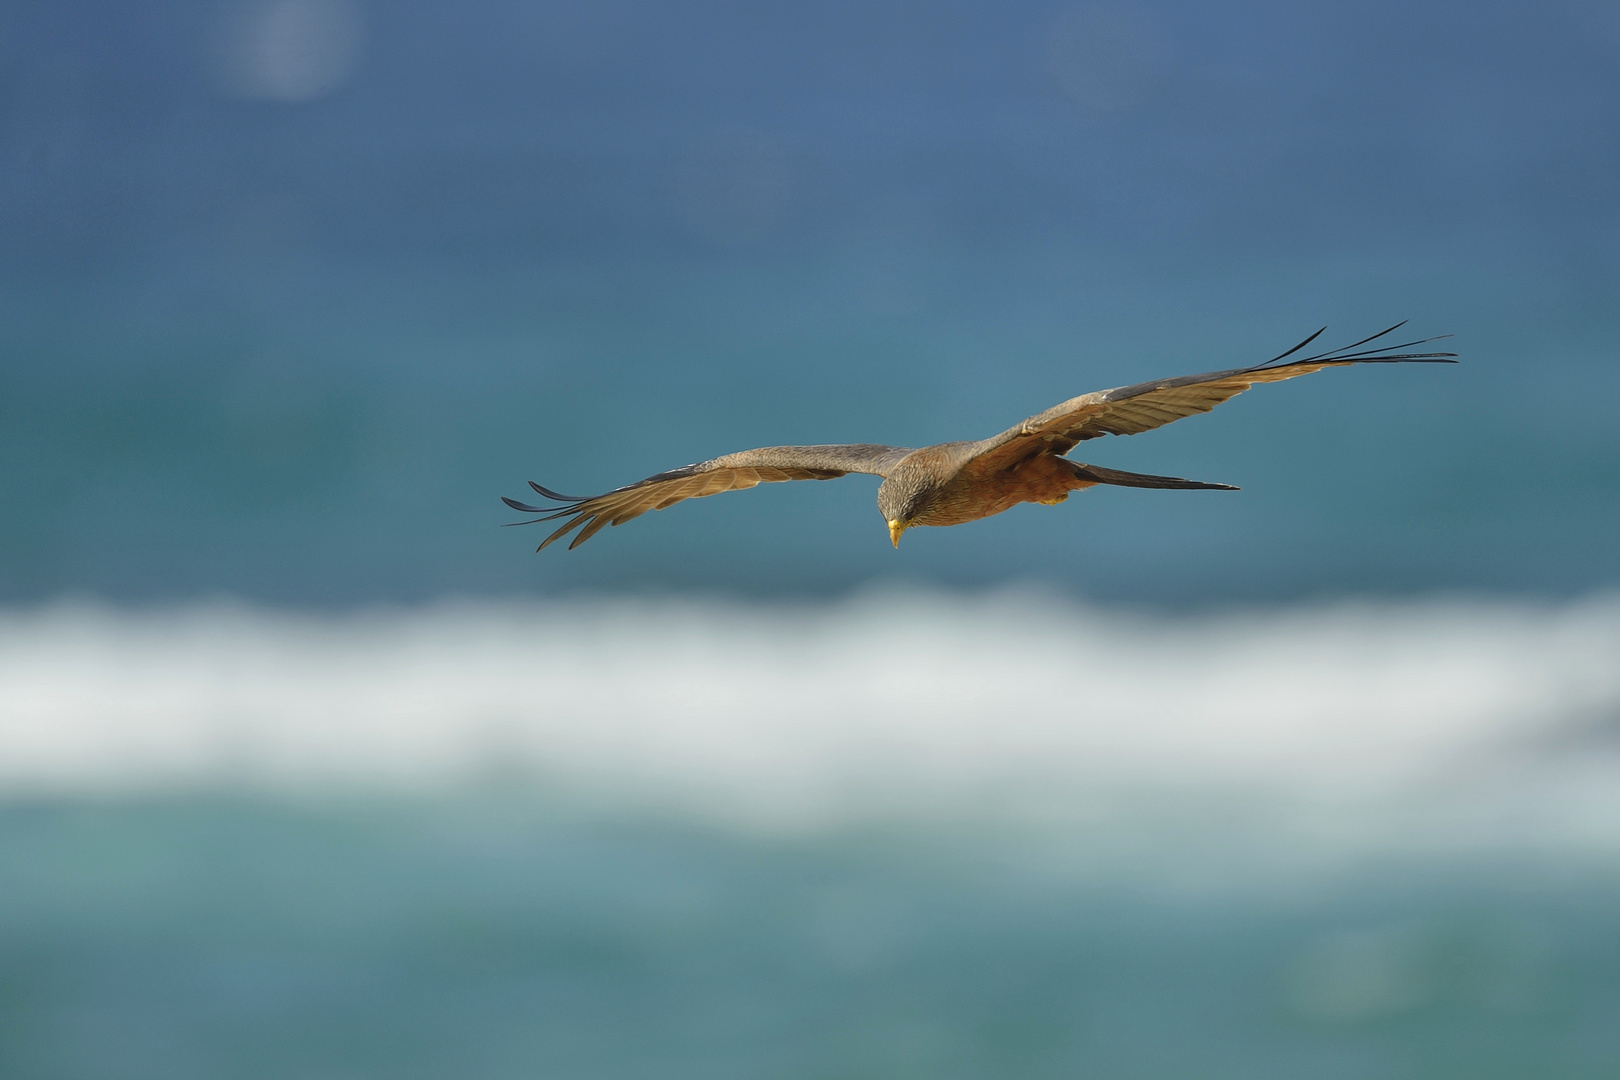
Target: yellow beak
[(895, 529)]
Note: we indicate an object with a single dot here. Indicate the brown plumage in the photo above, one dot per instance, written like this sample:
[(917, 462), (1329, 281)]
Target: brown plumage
[(955, 482)]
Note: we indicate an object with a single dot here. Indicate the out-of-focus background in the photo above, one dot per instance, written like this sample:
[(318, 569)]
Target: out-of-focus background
[(309, 769)]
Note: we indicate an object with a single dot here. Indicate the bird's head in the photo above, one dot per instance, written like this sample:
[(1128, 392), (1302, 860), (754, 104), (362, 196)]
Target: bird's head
[(902, 497)]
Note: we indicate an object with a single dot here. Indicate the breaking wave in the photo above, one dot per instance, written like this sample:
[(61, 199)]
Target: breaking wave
[(1463, 721)]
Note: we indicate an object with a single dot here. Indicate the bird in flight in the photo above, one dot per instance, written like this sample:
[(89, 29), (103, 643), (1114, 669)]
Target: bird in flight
[(955, 482)]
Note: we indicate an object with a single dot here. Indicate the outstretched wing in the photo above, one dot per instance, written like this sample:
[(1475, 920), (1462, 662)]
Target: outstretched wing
[(1128, 410), (734, 472)]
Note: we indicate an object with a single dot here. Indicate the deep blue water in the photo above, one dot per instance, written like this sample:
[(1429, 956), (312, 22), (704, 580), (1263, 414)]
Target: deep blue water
[(294, 348)]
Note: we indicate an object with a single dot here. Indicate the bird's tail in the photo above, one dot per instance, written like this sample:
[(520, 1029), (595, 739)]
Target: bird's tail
[(1096, 474)]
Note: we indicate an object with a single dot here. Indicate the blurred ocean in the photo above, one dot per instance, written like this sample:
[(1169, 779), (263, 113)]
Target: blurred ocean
[(310, 770), (906, 834)]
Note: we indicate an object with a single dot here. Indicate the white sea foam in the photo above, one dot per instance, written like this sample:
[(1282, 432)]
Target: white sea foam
[(1475, 719)]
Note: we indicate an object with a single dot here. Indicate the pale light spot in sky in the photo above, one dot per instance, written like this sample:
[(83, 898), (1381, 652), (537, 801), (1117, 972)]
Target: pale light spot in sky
[(287, 50)]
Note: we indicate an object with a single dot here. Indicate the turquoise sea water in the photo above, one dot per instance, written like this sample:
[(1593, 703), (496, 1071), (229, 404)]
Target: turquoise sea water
[(507, 937)]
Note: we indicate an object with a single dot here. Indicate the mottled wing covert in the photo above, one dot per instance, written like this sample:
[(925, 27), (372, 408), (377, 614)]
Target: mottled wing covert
[(733, 472), (1128, 410)]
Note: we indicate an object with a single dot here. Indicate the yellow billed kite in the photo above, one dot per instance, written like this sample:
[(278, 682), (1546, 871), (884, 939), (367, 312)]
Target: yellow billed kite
[(955, 482)]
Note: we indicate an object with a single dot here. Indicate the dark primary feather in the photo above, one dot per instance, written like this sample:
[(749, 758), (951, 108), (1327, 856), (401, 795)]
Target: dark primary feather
[(1384, 354), (1304, 343), (548, 493)]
